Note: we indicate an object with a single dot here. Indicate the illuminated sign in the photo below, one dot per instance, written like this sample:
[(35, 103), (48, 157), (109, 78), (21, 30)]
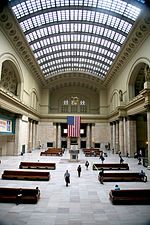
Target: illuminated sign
[(6, 126)]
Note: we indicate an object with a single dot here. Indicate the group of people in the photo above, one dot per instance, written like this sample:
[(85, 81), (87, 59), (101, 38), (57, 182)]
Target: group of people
[(67, 174)]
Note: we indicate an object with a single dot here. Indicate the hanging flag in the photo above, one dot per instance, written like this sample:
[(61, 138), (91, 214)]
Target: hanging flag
[(73, 126)]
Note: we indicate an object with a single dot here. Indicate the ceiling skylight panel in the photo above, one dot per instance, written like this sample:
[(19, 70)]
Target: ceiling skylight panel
[(53, 3), (29, 6), (61, 15)]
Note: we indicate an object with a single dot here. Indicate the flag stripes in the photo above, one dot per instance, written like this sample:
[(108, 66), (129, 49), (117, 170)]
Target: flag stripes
[(74, 126)]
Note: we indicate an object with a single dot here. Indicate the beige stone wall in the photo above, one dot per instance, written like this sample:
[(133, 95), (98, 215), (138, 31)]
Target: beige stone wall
[(46, 133), (122, 80), (101, 133), (21, 134), (90, 96), (28, 82), (7, 144)]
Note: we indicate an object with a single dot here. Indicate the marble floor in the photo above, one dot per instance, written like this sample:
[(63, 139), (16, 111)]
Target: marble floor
[(84, 202)]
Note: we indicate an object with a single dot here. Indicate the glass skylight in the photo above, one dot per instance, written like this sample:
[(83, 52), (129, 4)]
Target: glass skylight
[(80, 35)]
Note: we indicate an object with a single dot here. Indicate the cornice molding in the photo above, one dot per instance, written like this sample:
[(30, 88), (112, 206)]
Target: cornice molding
[(14, 34), (136, 38), (11, 103), (12, 30)]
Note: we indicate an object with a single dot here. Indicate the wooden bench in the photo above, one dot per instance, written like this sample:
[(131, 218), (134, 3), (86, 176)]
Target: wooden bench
[(19, 195), (111, 166), (134, 196), (56, 153), (53, 151), (92, 153), (26, 175), (123, 177), (37, 165)]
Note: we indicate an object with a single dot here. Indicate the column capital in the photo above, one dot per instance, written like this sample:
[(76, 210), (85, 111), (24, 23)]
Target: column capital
[(131, 117), (147, 107)]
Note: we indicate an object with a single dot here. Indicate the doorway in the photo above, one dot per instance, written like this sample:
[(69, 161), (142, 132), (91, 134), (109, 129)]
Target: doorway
[(83, 144)]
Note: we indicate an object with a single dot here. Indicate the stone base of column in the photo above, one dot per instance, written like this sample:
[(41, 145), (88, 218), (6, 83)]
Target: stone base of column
[(148, 167), (29, 147)]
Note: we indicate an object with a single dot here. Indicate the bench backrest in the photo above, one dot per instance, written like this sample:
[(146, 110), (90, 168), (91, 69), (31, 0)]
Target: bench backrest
[(131, 193), (121, 174), (15, 191), (25, 173), (36, 163), (113, 165)]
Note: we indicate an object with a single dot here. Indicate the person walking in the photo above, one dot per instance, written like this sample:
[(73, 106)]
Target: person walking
[(102, 157), (121, 160), (79, 170), (87, 164), (101, 175), (67, 178)]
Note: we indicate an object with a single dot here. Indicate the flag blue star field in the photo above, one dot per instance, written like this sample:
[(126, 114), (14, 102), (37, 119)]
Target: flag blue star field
[(73, 126)]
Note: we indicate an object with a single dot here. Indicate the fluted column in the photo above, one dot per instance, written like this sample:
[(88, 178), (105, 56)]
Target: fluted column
[(125, 135), (117, 136), (54, 135), (59, 135), (30, 136), (148, 136), (111, 135), (131, 136), (114, 136), (93, 136), (33, 135), (88, 136), (18, 144), (121, 136), (68, 142)]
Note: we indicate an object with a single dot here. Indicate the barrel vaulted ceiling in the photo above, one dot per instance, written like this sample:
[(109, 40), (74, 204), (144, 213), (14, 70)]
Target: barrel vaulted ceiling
[(80, 37)]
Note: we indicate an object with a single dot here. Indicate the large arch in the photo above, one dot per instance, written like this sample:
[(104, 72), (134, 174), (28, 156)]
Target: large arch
[(11, 59), (136, 69), (34, 98), (114, 100)]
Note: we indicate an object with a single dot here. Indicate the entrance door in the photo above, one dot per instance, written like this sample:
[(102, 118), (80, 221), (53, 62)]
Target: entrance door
[(64, 144), (83, 144)]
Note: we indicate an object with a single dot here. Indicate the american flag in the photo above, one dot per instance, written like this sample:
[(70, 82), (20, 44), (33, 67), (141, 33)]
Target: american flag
[(73, 126)]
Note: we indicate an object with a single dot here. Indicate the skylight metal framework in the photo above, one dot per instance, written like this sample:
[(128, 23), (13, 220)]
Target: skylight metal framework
[(76, 35)]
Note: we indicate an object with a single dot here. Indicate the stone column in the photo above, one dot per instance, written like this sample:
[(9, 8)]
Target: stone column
[(37, 142), (88, 136), (18, 144), (114, 136), (59, 135), (121, 136), (56, 135), (111, 135), (125, 136), (93, 136), (30, 136), (68, 142), (148, 136), (33, 135), (131, 136), (117, 136), (79, 142)]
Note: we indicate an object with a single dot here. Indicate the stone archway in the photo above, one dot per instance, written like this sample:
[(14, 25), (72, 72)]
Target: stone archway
[(136, 78), (11, 78)]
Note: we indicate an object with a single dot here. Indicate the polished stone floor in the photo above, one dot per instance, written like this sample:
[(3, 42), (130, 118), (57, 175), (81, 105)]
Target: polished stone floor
[(84, 202)]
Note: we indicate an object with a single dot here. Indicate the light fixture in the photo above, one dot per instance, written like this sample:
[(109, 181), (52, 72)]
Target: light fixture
[(75, 100)]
